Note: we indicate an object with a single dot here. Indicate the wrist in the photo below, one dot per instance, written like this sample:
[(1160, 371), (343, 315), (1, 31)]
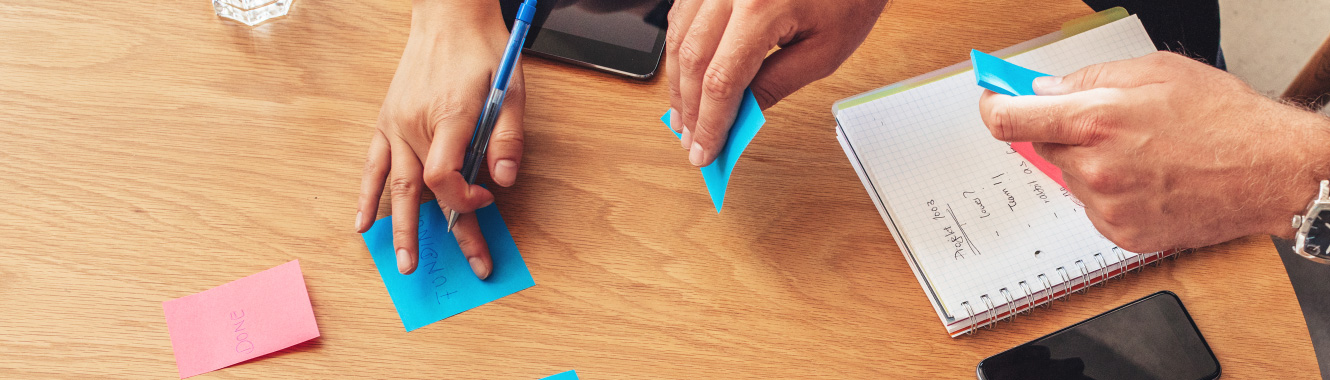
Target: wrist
[(441, 15), (1309, 159)]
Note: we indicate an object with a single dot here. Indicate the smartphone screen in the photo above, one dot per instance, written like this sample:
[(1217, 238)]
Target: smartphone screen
[(1151, 338)]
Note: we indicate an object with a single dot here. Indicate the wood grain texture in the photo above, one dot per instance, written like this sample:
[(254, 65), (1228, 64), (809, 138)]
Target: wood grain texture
[(149, 153)]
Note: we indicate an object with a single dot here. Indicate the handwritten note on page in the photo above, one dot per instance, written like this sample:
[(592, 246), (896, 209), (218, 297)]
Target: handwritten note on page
[(984, 231), (443, 284), (746, 124), (241, 320)]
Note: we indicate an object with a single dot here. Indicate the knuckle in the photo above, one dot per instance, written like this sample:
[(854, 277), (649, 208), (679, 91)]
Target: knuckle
[(769, 93), (516, 89), (1126, 238), (1099, 179), (999, 122), (469, 244), (434, 177), (719, 84), (403, 186), (674, 33), (371, 170), (1114, 215), (508, 137), (1089, 125), (507, 142), (688, 113), (1133, 242), (690, 57), (705, 135), (1091, 75), (1160, 58), (750, 7), (402, 234), (448, 109)]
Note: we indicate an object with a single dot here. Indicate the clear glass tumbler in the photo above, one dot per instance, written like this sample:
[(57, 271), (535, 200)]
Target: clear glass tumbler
[(251, 12)]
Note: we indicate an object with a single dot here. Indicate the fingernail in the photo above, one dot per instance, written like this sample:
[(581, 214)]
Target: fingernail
[(686, 138), (479, 267), (696, 155), (487, 204), (360, 217), (505, 172), (404, 261), (1042, 84)]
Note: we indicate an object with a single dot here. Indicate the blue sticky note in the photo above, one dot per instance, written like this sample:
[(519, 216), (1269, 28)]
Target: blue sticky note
[(746, 124), (443, 284), (1001, 76), (570, 375)]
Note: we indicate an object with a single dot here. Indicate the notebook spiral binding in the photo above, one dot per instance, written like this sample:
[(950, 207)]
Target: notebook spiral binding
[(1031, 299)]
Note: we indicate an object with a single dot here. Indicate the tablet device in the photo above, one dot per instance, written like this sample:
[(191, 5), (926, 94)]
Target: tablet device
[(624, 37)]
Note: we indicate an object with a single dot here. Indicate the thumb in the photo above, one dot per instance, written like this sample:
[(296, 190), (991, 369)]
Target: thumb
[(1073, 119), (1133, 72)]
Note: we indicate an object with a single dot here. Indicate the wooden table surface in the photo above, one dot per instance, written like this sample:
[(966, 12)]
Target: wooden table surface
[(150, 152)]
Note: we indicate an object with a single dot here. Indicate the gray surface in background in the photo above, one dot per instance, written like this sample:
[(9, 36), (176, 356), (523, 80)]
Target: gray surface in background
[(1311, 283), (1266, 43)]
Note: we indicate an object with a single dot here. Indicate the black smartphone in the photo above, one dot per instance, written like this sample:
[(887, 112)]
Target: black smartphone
[(624, 37), (1150, 338)]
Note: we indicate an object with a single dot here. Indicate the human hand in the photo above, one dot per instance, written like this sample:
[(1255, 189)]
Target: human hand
[(427, 120), (717, 48), (1166, 152)]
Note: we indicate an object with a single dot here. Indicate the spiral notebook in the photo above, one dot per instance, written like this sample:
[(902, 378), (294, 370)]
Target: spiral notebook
[(987, 234)]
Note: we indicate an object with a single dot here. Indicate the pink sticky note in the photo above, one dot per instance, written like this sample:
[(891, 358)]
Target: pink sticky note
[(241, 320), (1027, 150)]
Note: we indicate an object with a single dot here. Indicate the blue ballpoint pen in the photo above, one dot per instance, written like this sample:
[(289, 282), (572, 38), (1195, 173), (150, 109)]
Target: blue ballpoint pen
[(480, 138)]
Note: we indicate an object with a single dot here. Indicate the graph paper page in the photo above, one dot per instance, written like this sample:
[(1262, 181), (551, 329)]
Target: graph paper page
[(979, 218)]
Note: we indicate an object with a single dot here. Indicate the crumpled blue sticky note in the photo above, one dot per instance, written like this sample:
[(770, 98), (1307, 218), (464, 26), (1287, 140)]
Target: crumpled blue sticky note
[(746, 124), (1001, 76), (443, 284), (570, 375)]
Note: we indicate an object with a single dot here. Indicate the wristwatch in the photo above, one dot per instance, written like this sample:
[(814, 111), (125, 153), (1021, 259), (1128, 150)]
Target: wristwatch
[(1313, 238)]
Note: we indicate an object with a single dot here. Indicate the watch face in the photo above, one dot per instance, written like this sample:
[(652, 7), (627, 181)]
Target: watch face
[(1318, 235)]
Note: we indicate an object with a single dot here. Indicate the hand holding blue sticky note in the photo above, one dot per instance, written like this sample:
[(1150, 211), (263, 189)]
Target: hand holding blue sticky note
[(1000, 76), (746, 124), (443, 284)]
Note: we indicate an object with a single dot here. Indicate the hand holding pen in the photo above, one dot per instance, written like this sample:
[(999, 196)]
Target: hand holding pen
[(427, 122)]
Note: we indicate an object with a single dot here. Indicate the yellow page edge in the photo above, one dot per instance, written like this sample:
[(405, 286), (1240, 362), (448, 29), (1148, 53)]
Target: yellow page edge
[(1069, 28)]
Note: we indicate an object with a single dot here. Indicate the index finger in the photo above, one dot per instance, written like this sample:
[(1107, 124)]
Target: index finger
[(443, 164), (1073, 119), (738, 58), (681, 15), (473, 245), (406, 187)]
